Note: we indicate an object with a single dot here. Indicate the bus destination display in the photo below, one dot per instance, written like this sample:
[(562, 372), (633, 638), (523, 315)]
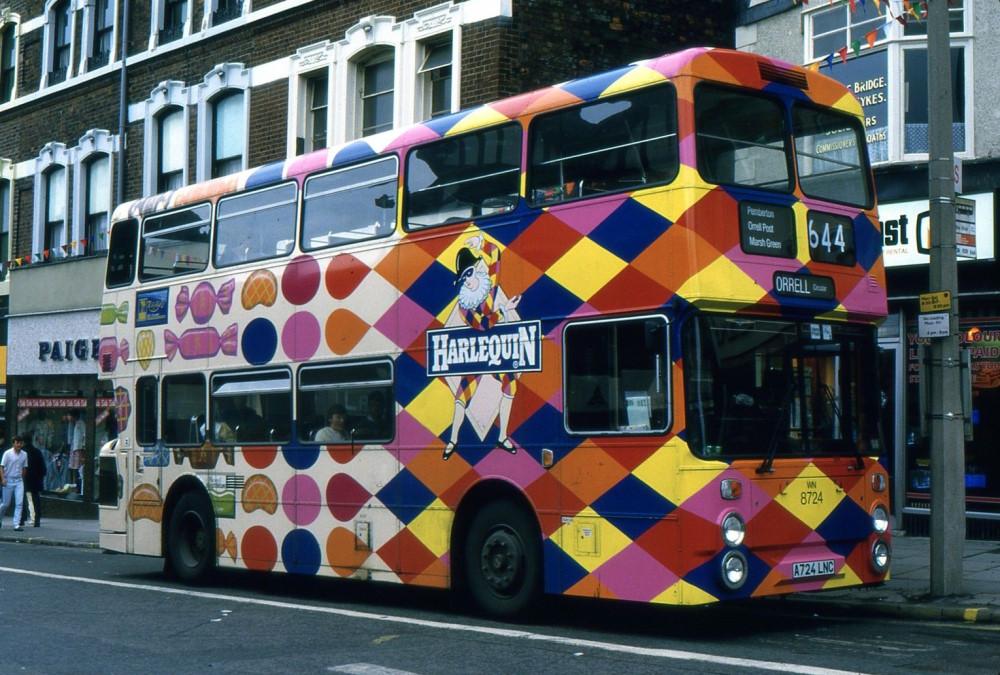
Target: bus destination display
[(766, 229)]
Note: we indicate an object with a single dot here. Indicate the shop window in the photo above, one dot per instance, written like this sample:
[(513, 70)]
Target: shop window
[(620, 143), (377, 92), (8, 61), (346, 403), (175, 243), (350, 205), (228, 135), (145, 411), (435, 79), (252, 407), (255, 225), (464, 177), (122, 253), (98, 203), (617, 376), (915, 114), (183, 409)]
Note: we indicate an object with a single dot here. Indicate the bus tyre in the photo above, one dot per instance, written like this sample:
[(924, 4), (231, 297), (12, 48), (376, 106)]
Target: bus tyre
[(191, 538), (502, 559)]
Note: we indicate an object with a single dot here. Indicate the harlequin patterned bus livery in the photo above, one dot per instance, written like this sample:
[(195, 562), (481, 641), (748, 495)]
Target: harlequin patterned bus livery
[(613, 338)]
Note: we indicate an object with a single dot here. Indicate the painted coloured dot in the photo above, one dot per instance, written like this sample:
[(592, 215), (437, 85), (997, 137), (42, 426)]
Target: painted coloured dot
[(259, 549), (300, 280), (300, 552), (300, 499), (300, 336), (259, 341)]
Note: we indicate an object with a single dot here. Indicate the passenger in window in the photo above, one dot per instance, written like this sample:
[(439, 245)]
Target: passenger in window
[(375, 424), (335, 430)]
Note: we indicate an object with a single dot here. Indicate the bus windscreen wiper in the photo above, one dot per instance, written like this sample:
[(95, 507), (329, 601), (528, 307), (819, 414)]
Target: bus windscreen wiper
[(780, 427)]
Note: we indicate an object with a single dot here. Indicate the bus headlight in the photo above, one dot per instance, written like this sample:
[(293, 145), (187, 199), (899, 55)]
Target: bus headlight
[(880, 519), (734, 570), (880, 556), (733, 529)]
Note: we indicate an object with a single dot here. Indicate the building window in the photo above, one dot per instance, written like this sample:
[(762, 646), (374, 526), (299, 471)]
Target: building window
[(170, 149), (62, 27), (837, 27), (226, 10), (5, 252), (956, 20), (435, 79), (377, 94), (317, 104), (227, 133), (8, 61), (915, 100), (55, 211), (102, 31), (98, 203), (174, 18)]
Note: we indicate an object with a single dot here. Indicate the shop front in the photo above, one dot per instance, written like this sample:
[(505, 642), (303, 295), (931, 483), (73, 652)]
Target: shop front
[(54, 398)]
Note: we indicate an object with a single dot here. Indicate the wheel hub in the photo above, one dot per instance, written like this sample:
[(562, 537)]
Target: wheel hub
[(501, 561)]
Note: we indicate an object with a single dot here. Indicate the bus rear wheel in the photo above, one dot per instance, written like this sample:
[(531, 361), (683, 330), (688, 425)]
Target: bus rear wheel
[(502, 559), (191, 538)]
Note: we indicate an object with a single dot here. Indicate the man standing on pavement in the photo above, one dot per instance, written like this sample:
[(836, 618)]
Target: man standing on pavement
[(13, 467), (34, 479)]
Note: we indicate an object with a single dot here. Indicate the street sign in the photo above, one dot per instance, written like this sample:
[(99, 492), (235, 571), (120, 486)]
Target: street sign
[(933, 325), (938, 301), (965, 228), (956, 174)]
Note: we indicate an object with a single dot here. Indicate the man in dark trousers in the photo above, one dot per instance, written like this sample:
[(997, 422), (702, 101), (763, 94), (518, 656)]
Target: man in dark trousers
[(34, 479)]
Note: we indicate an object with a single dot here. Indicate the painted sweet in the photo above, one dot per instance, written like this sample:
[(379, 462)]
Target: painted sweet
[(200, 343), (260, 288), (145, 345), (110, 313), (109, 351), (203, 301)]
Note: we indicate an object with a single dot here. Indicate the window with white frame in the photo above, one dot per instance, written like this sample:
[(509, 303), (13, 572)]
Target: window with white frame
[(836, 27), (915, 100), (376, 90), (172, 20), (165, 138), (956, 20), (223, 100), (59, 32), (227, 133), (226, 10), (54, 236), (97, 202), (171, 141), (8, 60), (434, 77), (102, 27), (5, 252), (317, 104)]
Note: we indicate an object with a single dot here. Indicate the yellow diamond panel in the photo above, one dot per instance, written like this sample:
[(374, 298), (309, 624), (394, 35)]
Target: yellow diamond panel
[(801, 231), (684, 593), (590, 540), (432, 526), (664, 472), (481, 117), (434, 406), (722, 281), (637, 77), (585, 269), (847, 577), (671, 204), (811, 497)]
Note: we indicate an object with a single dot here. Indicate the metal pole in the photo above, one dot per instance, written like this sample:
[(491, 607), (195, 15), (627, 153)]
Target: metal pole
[(122, 106), (946, 423)]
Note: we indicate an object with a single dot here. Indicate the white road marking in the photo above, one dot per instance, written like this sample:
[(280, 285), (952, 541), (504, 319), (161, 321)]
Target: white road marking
[(367, 669), (509, 633)]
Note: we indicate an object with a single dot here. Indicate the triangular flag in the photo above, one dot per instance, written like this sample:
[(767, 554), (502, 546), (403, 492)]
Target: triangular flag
[(853, 8), (813, 66), (878, 6), (906, 5), (871, 36), (843, 54), (856, 46), (829, 61)]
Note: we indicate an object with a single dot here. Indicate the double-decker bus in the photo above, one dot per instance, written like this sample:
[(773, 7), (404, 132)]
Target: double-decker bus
[(613, 338)]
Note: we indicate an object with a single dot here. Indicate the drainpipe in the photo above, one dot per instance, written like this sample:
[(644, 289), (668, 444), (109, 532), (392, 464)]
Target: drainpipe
[(122, 107)]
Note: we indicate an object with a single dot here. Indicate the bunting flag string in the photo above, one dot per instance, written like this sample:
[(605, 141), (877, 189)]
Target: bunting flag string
[(78, 247)]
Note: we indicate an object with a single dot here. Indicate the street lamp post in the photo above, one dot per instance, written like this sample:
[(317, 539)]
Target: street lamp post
[(947, 419)]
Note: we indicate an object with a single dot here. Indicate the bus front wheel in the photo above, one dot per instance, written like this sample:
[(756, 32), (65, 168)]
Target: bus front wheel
[(191, 538), (502, 559)]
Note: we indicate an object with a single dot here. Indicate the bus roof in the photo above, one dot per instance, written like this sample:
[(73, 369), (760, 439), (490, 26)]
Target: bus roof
[(719, 65)]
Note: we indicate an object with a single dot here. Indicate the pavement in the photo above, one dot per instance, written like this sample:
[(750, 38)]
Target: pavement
[(906, 595)]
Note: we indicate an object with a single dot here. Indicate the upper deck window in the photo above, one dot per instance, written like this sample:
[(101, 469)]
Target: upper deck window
[(255, 225), (175, 243), (349, 205), (620, 143), (829, 157), (121, 253), (742, 139), (464, 177)]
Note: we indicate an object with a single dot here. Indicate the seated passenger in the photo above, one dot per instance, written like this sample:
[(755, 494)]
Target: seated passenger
[(335, 430)]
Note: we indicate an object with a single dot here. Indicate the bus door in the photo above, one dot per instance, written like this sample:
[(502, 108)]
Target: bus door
[(143, 454)]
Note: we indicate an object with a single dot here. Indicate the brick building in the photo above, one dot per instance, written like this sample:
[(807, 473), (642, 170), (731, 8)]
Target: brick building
[(212, 87)]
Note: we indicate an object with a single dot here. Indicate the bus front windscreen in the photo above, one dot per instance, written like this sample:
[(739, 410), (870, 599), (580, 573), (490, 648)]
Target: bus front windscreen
[(759, 388)]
